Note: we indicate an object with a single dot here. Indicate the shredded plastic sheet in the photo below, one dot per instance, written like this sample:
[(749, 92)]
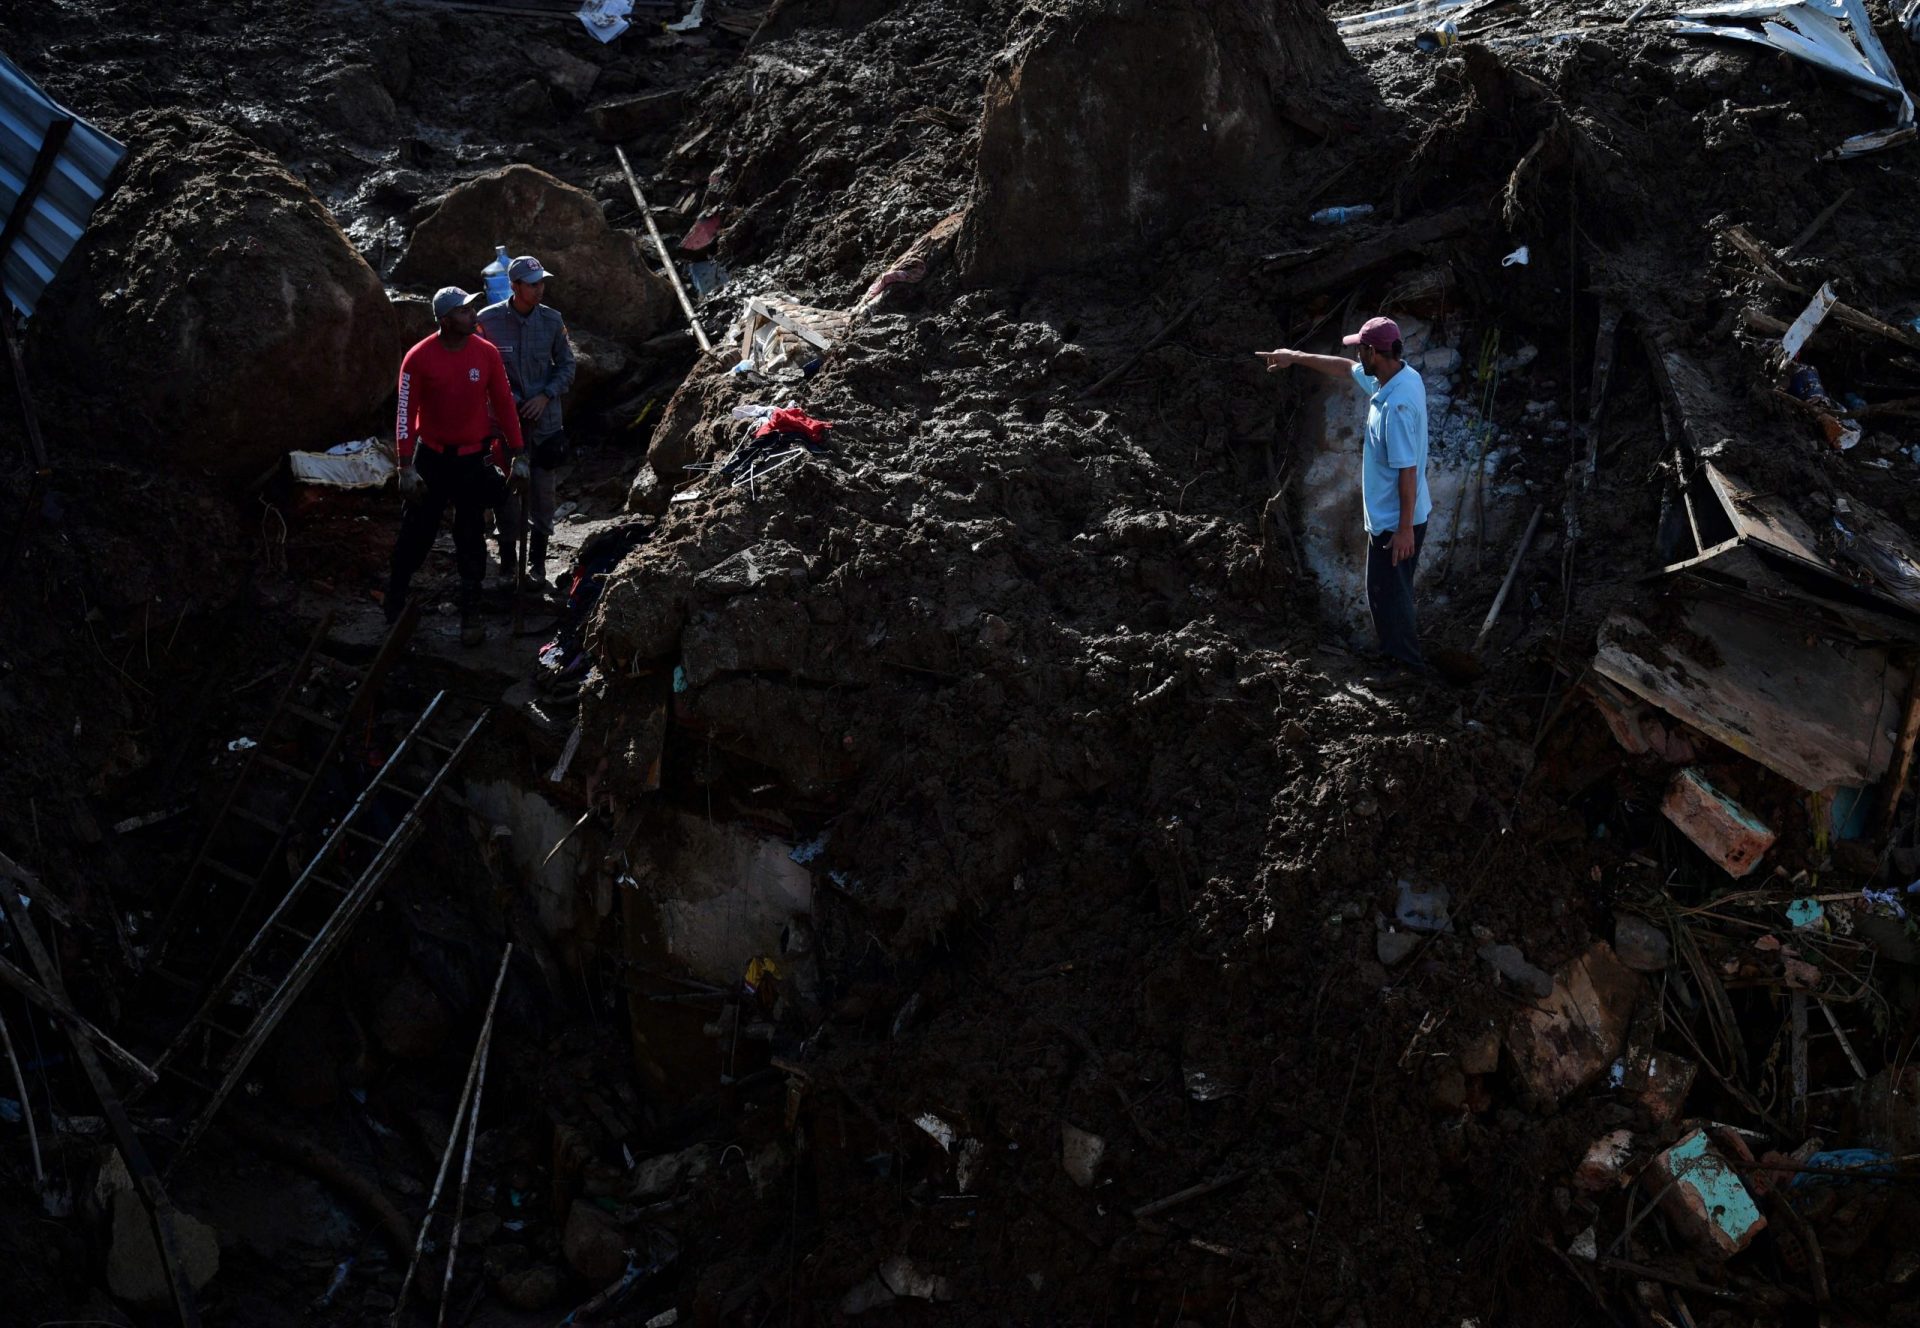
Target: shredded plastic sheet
[(1811, 30)]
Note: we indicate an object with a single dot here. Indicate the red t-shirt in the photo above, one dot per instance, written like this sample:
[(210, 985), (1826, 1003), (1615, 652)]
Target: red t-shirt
[(444, 395)]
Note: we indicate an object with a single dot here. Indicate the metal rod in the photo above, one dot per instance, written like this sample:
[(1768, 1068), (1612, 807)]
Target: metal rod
[(1512, 571), (453, 1137), (466, 1163), (673, 275), (26, 1103)]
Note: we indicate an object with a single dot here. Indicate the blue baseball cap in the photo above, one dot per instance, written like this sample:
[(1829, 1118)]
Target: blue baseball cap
[(526, 268), (449, 298)]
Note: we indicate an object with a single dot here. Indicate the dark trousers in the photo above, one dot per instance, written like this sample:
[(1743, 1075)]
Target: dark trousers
[(472, 486), (1390, 597)]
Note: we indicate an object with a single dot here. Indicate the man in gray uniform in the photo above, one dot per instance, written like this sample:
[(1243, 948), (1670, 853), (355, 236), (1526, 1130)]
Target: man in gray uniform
[(532, 340)]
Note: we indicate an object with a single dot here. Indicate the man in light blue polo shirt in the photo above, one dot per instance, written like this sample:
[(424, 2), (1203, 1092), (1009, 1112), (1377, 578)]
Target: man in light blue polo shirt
[(1393, 474)]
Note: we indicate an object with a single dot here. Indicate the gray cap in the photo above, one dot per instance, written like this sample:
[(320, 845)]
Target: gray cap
[(449, 298), (526, 268)]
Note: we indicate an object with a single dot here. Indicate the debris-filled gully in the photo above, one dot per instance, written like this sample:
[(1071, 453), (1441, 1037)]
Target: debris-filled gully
[(965, 866)]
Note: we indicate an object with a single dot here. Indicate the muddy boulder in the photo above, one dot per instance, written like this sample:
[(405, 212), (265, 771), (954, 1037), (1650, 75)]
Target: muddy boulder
[(216, 314), (1111, 122), (600, 282)]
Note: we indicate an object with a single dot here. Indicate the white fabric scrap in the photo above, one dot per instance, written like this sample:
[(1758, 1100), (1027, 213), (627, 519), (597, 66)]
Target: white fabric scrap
[(362, 468), (605, 19), (695, 17)]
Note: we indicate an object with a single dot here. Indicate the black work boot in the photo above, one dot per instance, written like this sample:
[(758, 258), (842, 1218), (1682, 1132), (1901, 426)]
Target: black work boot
[(472, 633), (537, 557)]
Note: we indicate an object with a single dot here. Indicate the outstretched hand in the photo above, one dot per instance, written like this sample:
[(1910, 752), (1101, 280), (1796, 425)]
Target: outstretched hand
[(1279, 359)]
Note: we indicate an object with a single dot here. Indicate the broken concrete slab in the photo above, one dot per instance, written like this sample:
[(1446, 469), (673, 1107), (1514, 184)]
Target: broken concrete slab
[(1704, 1197), (1720, 827), (1565, 1042)]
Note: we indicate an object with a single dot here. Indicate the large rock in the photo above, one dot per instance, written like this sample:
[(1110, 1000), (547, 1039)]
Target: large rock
[(594, 1246), (134, 1271), (215, 312), (1115, 119), (600, 282)]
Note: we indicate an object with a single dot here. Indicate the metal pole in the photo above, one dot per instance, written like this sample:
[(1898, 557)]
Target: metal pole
[(453, 1137), (646, 215)]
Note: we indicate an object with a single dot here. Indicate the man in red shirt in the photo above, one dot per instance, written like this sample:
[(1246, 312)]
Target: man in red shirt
[(447, 384)]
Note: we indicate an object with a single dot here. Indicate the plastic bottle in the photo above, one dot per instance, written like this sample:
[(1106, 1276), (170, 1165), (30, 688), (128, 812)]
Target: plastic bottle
[(499, 285), (1338, 216)]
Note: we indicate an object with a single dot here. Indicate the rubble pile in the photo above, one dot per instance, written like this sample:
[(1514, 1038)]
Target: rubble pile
[(951, 856)]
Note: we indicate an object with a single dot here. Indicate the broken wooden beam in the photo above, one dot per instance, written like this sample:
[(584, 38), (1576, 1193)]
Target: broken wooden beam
[(1814, 227), (1135, 358), (1857, 319), (1902, 762), (1377, 252), (1191, 1192), (63, 1011), (1605, 339)]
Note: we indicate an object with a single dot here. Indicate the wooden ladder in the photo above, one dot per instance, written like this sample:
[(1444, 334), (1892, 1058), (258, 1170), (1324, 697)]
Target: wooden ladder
[(207, 1058), (219, 894)]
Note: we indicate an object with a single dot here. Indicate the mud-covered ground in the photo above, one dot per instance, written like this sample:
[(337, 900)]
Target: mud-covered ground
[(1114, 812)]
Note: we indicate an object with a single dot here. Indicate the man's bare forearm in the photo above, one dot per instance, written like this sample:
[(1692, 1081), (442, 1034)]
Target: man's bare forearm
[(1333, 366)]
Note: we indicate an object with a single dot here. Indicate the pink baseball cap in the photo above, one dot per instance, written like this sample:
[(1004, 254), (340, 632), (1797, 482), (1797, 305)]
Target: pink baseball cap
[(1379, 333)]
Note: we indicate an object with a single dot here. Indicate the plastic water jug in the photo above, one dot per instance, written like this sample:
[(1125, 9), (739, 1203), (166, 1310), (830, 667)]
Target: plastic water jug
[(499, 285)]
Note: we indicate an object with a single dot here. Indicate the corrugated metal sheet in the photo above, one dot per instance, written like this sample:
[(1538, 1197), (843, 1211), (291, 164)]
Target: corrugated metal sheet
[(58, 214)]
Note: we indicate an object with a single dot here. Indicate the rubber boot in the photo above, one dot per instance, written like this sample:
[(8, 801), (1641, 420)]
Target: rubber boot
[(537, 558), (472, 633)]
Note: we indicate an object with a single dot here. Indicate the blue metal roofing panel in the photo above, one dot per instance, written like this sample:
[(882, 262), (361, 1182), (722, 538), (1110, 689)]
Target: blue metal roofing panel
[(59, 212)]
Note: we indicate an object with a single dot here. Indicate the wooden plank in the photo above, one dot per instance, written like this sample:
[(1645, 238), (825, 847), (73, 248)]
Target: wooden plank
[(801, 320), (1811, 711), (1369, 254)]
